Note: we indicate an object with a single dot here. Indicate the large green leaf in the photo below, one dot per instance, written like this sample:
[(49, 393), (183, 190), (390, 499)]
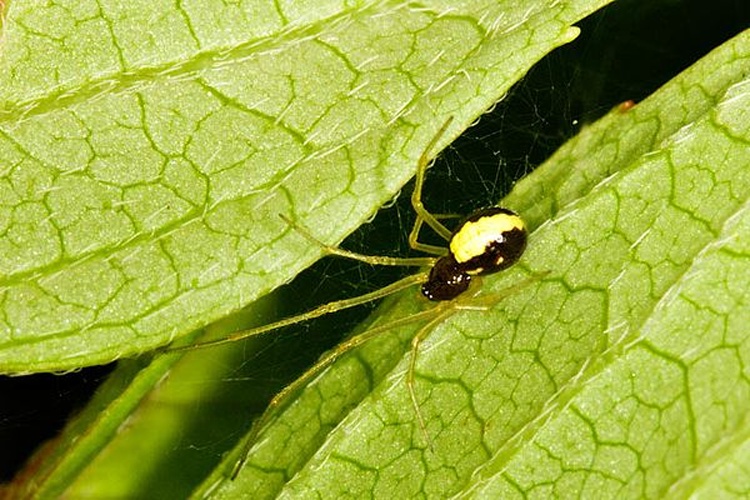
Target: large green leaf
[(147, 149)]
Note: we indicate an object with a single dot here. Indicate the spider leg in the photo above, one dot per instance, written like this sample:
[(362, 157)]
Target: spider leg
[(423, 215), (423, 247), (475, 302), (414, 242), (411, 373), (368, 259), (284, 397), (447, 216), (328, 308)]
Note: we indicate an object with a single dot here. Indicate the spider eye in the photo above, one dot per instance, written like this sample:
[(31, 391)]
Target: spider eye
[(489, 241)]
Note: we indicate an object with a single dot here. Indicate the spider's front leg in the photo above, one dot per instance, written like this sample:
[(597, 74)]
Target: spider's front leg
[(423, 215)]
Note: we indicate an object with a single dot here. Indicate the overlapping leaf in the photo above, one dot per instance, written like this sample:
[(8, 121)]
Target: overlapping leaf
[(147, 149)]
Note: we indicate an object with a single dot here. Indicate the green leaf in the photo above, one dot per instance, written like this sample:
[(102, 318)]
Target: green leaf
[(143, 170), (620, 373)]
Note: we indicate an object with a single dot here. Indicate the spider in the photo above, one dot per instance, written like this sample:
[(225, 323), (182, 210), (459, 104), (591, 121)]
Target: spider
[(486, 242)]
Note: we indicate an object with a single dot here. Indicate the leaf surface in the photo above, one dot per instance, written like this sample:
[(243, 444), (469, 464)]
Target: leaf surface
[(143, 170), (620, 373)]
